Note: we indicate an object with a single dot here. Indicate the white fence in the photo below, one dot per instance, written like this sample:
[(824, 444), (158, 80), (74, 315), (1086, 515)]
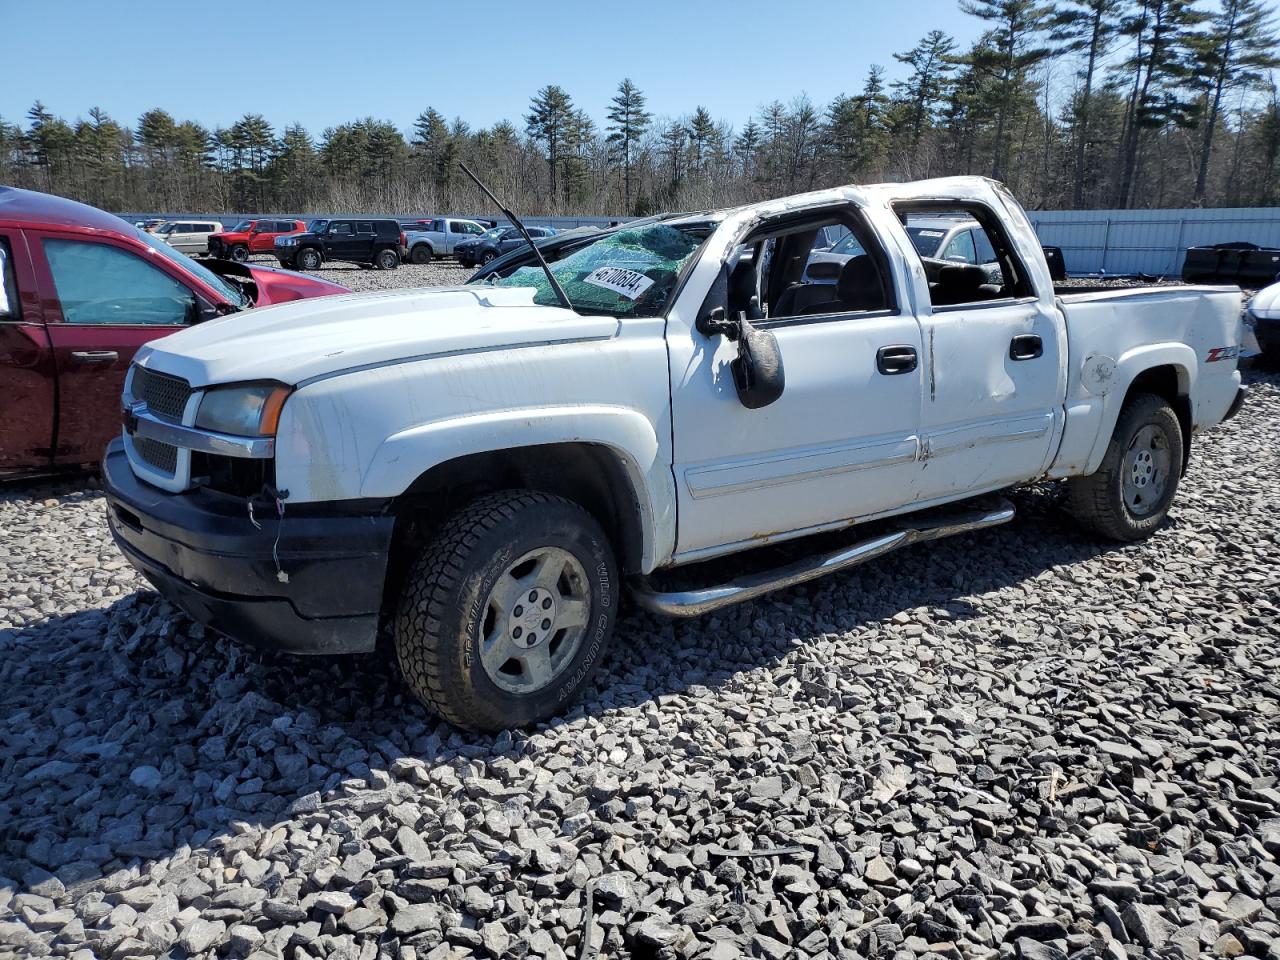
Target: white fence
[(1148, 241)]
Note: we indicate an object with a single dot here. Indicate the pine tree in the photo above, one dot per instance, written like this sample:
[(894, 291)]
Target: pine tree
[(1234, 52), (1010, 49), (931, 62), (628, 120), (550, 117), (745, 147), (1159, 67), (1085, 27)]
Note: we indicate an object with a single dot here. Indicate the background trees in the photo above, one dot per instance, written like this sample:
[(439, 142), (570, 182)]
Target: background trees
[(1073, 103)]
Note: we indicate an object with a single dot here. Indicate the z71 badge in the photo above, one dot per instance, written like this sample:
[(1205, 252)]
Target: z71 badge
[(1222, 353)]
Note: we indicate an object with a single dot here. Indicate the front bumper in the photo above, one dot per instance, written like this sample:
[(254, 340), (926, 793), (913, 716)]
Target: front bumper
[(202, 552), (1267, 331)]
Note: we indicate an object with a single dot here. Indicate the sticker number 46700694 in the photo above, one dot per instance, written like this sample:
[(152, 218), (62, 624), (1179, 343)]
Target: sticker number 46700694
[(1222, 353)]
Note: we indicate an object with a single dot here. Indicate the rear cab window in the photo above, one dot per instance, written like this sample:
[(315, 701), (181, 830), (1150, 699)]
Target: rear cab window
[(978, 263)]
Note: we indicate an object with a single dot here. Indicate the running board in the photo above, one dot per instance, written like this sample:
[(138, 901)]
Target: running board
[(694, 603)]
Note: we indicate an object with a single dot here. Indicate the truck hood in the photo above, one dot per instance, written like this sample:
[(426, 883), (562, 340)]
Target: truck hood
[(306, 339), (1266, 303)]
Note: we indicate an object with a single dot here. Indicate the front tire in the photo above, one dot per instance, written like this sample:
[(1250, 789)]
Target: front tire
[(420, 254), (309, 259), (387, 259), (507, 612), (239, 253), (1130, 494)]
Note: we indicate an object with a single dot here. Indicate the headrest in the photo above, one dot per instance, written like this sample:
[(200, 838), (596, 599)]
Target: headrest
[(824, 270), (962, 276), (859, 284)]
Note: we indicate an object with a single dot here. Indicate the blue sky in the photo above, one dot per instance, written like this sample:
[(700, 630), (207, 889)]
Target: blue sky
[(322, 62)]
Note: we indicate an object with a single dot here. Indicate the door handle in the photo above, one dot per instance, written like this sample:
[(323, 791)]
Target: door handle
[(1026, 346), (94, 356), (895, 359)]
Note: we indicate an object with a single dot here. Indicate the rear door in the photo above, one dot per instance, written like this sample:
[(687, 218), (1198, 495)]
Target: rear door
[(995, 373), (103, 299), (365, 239), (27, 372)]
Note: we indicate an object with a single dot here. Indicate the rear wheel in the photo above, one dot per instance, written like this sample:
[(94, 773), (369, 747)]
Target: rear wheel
[(1130, 494), (420, 254), (387, 259), (506, 614), (309, 259)]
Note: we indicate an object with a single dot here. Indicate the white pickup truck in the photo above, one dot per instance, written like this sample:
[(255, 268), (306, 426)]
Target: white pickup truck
[(478, 467)]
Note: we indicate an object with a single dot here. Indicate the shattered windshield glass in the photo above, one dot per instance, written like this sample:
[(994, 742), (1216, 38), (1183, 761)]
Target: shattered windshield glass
[(627, 273)]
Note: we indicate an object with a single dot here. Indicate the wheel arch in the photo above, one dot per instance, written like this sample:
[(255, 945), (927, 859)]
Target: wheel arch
[(1165, 370), (592, 475)]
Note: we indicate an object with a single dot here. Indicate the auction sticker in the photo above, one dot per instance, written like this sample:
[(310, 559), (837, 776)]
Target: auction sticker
[(628, 283)]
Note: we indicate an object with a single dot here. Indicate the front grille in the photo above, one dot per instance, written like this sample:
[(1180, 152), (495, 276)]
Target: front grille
[(165, 396), (162, 456)]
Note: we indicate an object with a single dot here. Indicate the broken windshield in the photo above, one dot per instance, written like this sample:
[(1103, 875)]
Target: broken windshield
[(626, 273)]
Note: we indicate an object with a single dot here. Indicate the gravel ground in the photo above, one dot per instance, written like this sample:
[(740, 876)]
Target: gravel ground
[(1017, 744)]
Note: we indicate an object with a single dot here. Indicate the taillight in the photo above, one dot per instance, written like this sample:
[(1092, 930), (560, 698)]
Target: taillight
[(403, 239)]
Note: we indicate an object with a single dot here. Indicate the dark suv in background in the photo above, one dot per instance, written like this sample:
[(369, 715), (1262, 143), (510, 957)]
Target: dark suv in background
[(379, 243), (493, 243)]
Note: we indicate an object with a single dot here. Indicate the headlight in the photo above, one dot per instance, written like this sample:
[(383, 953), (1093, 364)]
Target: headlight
[(244, 409), (286, 241)]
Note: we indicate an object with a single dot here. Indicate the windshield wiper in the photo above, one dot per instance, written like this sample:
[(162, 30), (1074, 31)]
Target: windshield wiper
[(551, 277)]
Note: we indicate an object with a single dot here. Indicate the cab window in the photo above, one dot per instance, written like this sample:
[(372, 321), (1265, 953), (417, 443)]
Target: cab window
[(101, 284), (788, 271), (341, 229), (977, 265)]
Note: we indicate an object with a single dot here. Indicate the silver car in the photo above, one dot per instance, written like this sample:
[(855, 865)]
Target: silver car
[(188, 236)]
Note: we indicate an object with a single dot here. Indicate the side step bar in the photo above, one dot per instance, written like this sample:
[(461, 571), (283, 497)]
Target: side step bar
[(693, 603)]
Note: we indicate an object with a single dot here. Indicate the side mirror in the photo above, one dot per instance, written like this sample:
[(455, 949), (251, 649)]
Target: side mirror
[(757, 372)]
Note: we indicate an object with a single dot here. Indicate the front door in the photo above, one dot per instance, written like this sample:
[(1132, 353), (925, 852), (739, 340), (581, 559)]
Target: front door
[(27, 372), (103, 302), (842, 441), (994, 369)]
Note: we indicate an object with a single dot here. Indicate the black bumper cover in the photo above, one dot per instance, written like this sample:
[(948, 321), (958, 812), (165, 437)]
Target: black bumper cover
[(202, 553)]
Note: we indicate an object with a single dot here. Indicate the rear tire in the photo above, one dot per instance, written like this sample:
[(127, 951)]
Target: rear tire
[(1130, 494), (239, 253), (420, 254), (386, 259), (506, 613)]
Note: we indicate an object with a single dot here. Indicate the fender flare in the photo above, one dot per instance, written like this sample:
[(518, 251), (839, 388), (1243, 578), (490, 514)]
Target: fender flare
[(405, 456), (1129, 366)]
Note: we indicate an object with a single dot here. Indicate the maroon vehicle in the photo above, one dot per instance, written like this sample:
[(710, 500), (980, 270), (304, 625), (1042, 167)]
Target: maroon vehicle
[(80, 291), (251, 236)]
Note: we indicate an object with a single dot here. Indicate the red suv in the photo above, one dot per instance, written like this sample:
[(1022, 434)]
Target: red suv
[(80, 291), (251, 236)]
